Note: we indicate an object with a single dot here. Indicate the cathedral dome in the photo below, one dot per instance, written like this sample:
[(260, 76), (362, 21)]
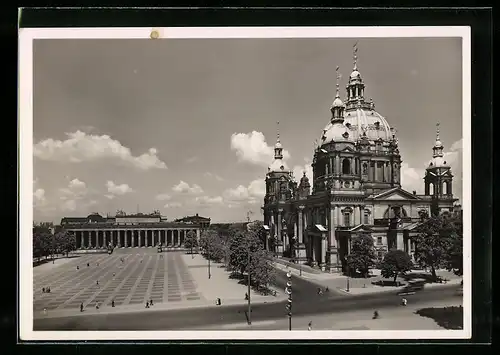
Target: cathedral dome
[(357, 121)]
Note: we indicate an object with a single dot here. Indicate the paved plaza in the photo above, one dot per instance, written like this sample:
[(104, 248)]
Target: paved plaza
[(171, 279)]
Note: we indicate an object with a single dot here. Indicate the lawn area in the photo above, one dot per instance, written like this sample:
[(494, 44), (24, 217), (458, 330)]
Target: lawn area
[(446, 317)]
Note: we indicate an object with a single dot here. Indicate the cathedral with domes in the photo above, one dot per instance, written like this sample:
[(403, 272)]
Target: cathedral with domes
[(355, 188)]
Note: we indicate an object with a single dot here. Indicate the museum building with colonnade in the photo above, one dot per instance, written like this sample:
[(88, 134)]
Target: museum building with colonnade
[(131, 231)]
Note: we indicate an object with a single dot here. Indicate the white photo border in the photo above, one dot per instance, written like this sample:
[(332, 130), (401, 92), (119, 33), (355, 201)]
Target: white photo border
[(25, 158)]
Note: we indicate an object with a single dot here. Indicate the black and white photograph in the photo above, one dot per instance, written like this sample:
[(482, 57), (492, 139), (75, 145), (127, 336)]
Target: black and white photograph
[(245, 183)]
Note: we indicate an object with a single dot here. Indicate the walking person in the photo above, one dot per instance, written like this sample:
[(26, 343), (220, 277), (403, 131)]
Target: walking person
[(309, 326), (112, 303), (151, 302), (43, 290), (81, 307), (147, 304), (97, 305)]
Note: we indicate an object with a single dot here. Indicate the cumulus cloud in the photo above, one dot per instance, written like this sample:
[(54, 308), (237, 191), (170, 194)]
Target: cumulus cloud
[(207, 200), (82, 147), (253, 193), (39, 199), (214, 176), (252, 148), (184, 187), (163, 197), (73, 195), (412, 178), (121, 189), (172, 205)]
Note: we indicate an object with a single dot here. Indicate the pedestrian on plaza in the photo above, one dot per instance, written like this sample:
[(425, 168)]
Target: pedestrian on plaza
[(327, 289), (246, 296), (218, 301), (88, 264), (375, 315), (404, 301), (151, 302), (97, 305), (47, 289), (112, 303), (309, 326), (114, 274), (97, 282), (78, 267), (81, 307), (147, 304), (43, 290), (320, 291), (45, 311)]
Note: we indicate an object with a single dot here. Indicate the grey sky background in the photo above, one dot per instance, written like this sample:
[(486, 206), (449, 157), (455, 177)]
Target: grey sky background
[(187, 99)]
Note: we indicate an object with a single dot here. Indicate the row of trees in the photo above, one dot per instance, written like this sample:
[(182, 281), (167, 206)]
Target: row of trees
[(438, 244), (46, 243), (241, 249)]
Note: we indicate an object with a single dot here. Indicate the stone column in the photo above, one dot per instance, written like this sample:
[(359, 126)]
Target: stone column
[(333, 225), (400, 240), (280, 236), (301, 225), (349, 245), (82, 244), (198, 234), (337, 164), (332, 167), (324, 248), (125, 241), (355, 215), (176, 236), (353, 165)]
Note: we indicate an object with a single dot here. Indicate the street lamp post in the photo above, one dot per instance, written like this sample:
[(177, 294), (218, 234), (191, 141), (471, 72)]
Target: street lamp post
[(288, 307), (249, 278), (348, 271)]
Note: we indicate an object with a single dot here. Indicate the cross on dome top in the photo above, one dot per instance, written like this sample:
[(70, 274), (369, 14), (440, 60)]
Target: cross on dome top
[(355, 55)]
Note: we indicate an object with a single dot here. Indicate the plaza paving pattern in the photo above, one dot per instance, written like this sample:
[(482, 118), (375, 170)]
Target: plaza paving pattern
[(142, 276)]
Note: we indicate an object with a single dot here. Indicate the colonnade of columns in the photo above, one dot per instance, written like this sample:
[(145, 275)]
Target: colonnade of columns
[(131, 238)]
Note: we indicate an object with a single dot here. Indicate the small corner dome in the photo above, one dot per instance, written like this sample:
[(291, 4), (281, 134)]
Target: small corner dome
[(304, 178), (438, 162), (278, 165), (336, 132), (355, 74), (337, 102), (278, 145)]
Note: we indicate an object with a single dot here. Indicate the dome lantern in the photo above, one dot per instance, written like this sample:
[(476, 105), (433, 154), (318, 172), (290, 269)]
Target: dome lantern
[(278, 165), (355, 88), (337, 108)]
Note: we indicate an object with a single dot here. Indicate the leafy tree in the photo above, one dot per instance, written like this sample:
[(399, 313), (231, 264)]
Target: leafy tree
[(362, 254), (262, 272), (257, 228), (454, 258), (191, 240), (395, 263), (42, 242), (434, 243), (239, 246), (65, 242)]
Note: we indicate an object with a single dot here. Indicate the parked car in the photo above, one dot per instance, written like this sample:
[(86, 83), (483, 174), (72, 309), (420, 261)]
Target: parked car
[(413, 286)]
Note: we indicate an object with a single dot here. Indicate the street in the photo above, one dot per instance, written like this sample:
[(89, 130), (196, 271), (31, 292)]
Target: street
[(305, 302)]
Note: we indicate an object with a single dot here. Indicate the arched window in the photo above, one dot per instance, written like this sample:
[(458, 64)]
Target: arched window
[(366, 218), (347, 219), (346, 166), (431, 189)]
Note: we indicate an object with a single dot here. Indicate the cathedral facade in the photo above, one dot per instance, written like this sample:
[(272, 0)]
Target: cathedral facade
[(355, 188)]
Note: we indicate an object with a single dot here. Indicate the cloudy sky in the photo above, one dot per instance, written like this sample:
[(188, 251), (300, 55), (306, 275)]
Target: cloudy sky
[(187, 126)]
